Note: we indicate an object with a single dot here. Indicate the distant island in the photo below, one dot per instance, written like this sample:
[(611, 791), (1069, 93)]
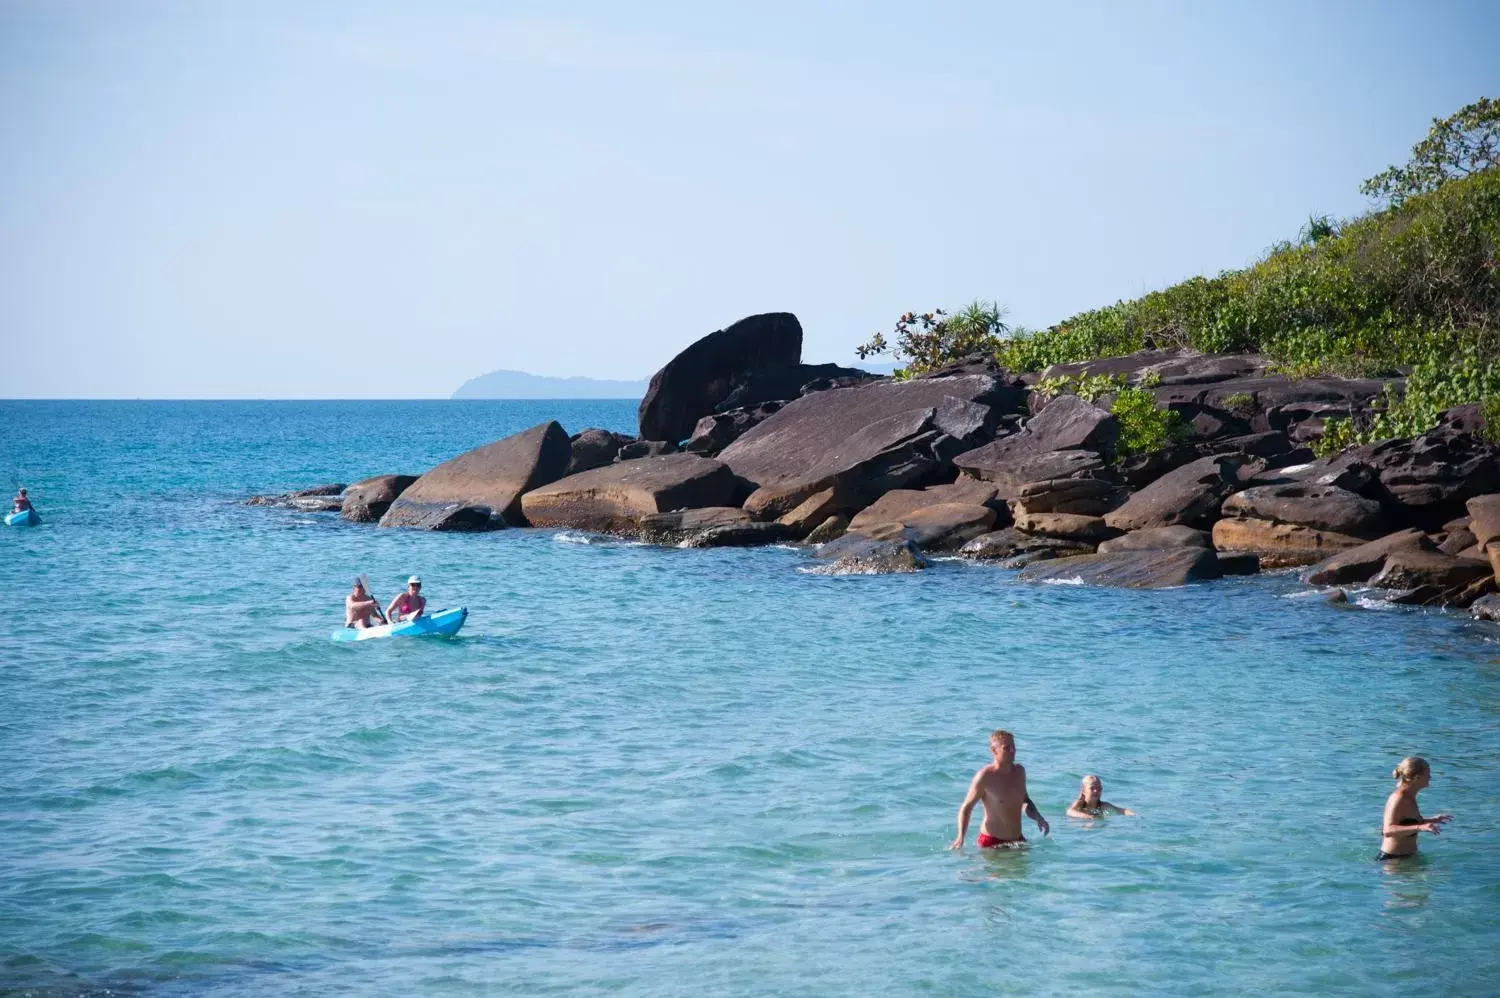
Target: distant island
[(520, 385)]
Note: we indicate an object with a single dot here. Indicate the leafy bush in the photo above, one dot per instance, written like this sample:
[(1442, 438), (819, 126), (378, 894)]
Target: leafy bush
[(935, 338), (1144, 425)]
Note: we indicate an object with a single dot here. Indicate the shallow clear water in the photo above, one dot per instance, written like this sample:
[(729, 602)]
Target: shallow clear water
[(645, 771)]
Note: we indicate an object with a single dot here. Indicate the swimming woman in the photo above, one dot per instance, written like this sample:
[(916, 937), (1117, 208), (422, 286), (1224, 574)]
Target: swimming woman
[(1403, 819), (1088, 804)]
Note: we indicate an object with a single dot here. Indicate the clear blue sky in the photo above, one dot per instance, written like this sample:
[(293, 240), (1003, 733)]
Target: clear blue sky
[(290, 199)]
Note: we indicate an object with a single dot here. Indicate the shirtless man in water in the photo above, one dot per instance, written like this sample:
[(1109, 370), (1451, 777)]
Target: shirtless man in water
[(1001, 786), (360, 607)]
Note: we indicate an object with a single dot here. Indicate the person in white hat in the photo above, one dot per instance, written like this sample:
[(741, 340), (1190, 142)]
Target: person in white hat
[(409, 604)]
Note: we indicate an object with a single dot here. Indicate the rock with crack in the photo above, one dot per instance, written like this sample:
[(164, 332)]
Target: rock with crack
[(482, 489), (366, 501)]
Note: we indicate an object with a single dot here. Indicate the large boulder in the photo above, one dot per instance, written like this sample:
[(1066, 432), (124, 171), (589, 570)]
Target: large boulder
[(594, 448), (1426, 480), (615, 498), (698, 379), (1442, 578), (1320, 507), (1277, 544), (1189, 496), (867, 440), (679, 525), (1141, 569), (1069, 423), (750, 389), (482, 489), (1360, 564), (820, 507), (1013, 462), (1484, 518), (1157, 538), (366, 501), (1069, 526)]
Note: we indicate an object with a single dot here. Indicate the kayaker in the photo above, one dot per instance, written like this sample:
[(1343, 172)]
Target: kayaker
[(409, 605), (360, 607), (1403, 819), (1088, 804), (20, 503)]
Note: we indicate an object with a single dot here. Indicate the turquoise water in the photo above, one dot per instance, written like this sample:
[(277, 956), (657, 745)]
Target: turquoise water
[(671, 772)]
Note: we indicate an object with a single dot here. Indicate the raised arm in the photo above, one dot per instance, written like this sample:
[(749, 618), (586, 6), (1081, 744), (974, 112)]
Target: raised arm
[(965, 810)]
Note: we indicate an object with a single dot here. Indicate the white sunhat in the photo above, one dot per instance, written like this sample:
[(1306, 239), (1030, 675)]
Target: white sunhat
[(414, 581)]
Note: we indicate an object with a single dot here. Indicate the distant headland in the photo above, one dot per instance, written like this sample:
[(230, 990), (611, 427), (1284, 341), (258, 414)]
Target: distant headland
[(520, 385)]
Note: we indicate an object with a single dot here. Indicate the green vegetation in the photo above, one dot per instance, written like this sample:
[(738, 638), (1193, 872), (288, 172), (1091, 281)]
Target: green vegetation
[(1412, 287), (1144, 425)]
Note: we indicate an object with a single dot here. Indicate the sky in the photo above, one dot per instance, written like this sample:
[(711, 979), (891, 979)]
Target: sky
[(381, 200)]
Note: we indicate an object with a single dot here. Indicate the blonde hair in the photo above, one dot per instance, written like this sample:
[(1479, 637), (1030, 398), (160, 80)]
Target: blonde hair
[(1001, 733), (1410, 768), (1082, 802)]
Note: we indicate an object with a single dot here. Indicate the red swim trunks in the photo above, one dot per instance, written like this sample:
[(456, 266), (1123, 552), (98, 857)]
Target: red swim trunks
[(990, 842)]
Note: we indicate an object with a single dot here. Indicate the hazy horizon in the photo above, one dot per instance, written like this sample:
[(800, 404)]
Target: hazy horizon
[(220, 200)]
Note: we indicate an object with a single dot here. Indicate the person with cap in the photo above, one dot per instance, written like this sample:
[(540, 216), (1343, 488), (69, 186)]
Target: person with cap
[(360, 608), (409, 604)]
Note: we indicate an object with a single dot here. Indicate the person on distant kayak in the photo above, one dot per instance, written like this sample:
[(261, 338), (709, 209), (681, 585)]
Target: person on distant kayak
[(20, 503), (1088, 804), (1403, 819), (410, 604), (1001, 786), (360, 608)]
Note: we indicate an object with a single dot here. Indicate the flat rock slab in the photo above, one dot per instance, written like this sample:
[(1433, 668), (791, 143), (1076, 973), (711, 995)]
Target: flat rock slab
[(1280, 545), (1146, 569), (1086, 496), (693, 383), (943, 527), (1157, 539), (1069, 526), (818, 438), (1189, 496), (1012, 463), (615, 498), (482, 489), (896, 504), (1360, 564), (1321, 507), (367, 501)]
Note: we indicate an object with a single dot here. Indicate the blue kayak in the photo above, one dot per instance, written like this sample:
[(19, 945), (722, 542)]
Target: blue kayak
[(25, 518), (443, 624)]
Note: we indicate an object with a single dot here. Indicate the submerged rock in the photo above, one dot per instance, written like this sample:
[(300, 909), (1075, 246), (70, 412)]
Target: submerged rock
[(1142, 569), (858, 554)]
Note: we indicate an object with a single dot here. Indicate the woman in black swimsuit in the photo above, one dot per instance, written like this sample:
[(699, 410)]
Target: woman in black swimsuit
[(1403, 819)]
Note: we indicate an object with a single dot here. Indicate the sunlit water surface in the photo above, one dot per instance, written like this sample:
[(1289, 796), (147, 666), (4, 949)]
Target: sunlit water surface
[(670, 772)]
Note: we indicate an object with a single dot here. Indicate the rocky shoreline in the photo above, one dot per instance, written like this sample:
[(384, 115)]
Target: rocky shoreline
[(743, 444)]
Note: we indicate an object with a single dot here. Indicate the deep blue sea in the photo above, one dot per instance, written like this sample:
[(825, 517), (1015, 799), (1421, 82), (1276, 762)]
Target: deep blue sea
[(645, 771)]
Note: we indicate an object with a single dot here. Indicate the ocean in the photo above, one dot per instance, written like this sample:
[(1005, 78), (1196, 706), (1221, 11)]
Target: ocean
[(645, 771)]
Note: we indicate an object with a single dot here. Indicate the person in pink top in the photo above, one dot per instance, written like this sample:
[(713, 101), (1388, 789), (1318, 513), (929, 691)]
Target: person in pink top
[(408, 605)]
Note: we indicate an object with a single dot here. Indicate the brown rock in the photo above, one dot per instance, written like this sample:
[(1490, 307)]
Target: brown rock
[(818, 507), (942, 527), (1321, 507), (594, 448), (1456, 542), (896, 504), (1145, 569), (1410, 568), (1361, 563), (1010, 543), (1484, 518), (677, 526), (615, 498), (1280, 545), (366, 501), (830, 529), (1087, 496), (1158, 538), (859, 554), (1190, 495), (482, 489), (1071, 526)]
